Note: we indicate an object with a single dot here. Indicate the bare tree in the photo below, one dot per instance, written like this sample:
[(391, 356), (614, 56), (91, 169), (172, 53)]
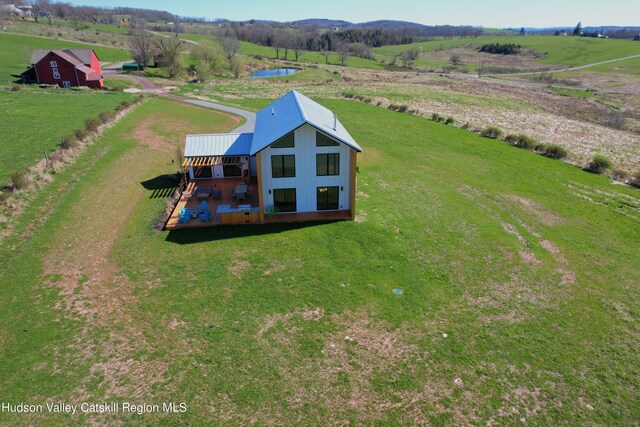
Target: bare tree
[(326, 54), (408, 56), (230, 45), (236, 66), (170, 48), (285, 42), (141, 44), (455, 59), (297, 44), (39, 6), (343, 53), (208, 58)]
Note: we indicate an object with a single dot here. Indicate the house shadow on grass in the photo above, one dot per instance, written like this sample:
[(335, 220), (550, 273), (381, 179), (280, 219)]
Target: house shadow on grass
[(162, 186), (187, 236)]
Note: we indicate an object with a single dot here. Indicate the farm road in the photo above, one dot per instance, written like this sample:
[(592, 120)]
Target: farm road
[(580, 67), (149, 87)]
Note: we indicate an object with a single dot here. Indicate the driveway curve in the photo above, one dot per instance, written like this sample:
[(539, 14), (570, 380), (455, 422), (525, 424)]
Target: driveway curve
[(149, 87)]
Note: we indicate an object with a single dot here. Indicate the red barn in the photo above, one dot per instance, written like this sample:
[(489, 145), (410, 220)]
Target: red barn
[(65, 68)]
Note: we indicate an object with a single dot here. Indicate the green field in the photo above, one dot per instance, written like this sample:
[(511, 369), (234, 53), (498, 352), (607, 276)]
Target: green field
[(565, 51), (629, 66), (35, 121), (519, 275), (15, 53), (314, 57)]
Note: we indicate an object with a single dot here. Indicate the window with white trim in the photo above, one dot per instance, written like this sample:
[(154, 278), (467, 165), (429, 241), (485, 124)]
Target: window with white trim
[(56, 74), (54, 64)]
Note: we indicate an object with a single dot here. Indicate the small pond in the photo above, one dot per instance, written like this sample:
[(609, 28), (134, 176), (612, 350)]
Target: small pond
[(273, 73)]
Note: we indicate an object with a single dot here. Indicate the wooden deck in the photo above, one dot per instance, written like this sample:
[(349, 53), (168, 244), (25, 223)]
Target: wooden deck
[(226, 185)]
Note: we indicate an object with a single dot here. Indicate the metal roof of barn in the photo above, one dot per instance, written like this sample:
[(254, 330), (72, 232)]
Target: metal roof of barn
[(289, 113), (223, 144), (74, 56)]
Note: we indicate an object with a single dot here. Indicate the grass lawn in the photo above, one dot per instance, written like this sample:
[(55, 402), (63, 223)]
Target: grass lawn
[(314, 57), (629, 66), (119, 82), (15, 53), (519, 276), (36, 120)]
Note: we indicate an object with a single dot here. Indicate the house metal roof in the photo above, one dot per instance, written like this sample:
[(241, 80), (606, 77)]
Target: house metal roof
[(223, 144), (289, 113)]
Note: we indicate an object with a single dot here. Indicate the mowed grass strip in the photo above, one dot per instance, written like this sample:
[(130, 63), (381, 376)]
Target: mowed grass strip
[(518, 274), (35, 121), (44, 350)]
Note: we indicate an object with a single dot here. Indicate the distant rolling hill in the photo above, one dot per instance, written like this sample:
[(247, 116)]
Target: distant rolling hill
[(343, 25)]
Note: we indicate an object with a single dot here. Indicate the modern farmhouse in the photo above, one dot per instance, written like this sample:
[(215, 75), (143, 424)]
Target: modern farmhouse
[(299, 164), (65, 68)]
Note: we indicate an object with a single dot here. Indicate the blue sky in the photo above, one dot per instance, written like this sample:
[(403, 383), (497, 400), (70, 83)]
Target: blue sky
[(492, 13)]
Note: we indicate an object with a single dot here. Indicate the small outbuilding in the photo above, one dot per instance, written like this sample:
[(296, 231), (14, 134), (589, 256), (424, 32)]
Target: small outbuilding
[(65, 68)]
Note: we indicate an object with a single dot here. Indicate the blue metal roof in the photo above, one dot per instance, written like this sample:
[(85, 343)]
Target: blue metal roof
[(289, 113), (222, 144)]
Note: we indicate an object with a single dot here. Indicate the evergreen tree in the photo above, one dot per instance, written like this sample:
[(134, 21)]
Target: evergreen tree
[(578, 30)]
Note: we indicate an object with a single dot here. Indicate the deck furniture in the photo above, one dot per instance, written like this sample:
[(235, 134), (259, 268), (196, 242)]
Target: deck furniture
[(203, 192), (184, 216)]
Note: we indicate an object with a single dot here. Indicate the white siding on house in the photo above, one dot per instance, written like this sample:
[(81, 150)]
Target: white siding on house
[(306, 182)]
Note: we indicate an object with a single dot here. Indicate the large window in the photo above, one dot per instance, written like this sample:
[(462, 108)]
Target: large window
[(56, 74), (286, 141), (231, 170), (283, 166), (328, 164), (285, 199), (327, 198), (323, 140), (202, 172)]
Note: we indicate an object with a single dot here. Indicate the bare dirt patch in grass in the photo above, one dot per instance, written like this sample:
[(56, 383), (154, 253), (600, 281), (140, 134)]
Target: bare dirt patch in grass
[(275, 267), (238, 267), (546, 217), (144, 134), (528, 257)]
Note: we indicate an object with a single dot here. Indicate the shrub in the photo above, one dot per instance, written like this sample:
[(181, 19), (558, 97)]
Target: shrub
[(16, 88), (92, 125), (491, 132), (69, 141), (398, 108), (522, 141), (599, 164), (81, 134), (466, 126), (635, 180), (553, 151), (436, 117), (619, 175), (19, 180), (449, 121), (125, 104), (106, 116), (501, 49)]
